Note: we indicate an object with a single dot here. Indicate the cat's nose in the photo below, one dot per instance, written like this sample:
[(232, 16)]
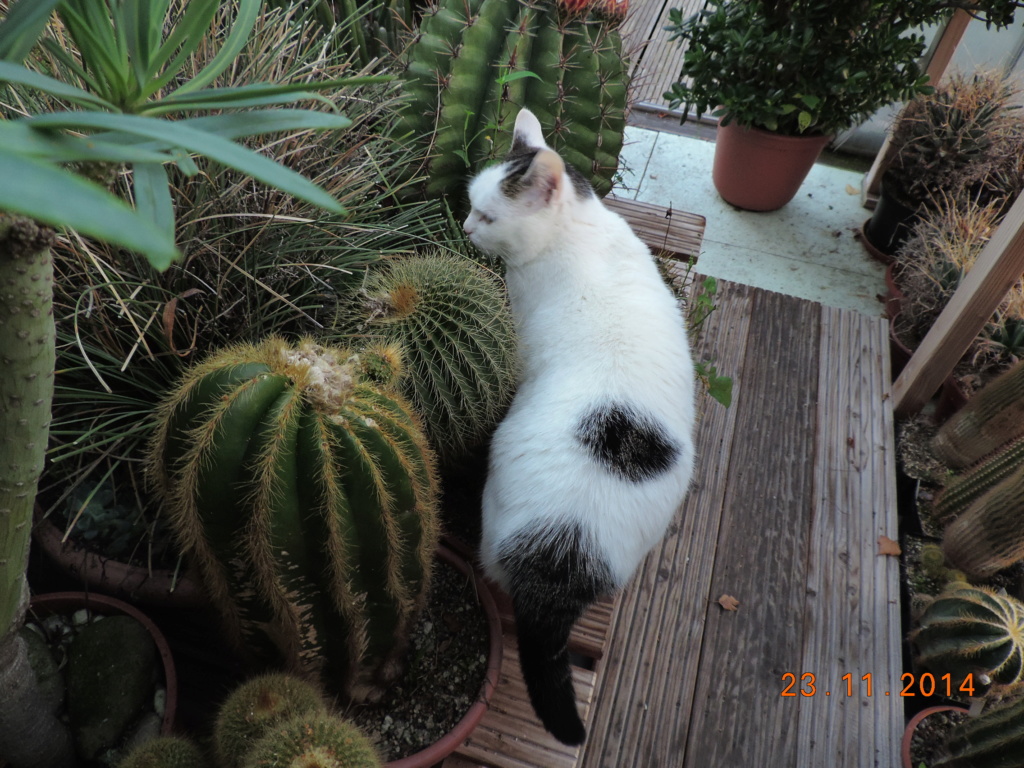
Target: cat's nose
[(467, 228)]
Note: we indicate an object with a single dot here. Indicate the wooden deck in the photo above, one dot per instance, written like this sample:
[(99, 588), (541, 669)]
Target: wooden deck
[(655, 63), (795, 485)]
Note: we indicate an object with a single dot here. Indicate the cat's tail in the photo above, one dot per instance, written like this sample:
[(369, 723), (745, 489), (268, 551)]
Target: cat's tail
[(552, 579)]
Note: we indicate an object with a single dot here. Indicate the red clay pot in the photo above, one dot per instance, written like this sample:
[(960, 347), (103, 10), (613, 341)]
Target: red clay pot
[(908, 734), (761, 171), (111, 577), (69, 602), (451, 741)]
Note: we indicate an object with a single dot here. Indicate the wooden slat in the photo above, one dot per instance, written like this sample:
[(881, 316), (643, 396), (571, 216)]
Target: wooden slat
[(647, 677), (660, 63), (676, 233), (851, 617), (739, 718)]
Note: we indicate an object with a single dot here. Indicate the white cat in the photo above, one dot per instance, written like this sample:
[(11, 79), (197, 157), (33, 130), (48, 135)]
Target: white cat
[(596, 452)]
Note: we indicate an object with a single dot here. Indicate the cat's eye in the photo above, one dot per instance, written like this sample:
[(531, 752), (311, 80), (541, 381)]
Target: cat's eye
[(485, 218)]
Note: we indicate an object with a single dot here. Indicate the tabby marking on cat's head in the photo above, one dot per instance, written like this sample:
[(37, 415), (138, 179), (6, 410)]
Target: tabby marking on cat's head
[(533, 183)]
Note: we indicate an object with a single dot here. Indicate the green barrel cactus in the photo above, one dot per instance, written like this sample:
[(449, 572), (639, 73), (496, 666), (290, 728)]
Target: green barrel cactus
[(992, 739), (256, 707), (972, 630), (989, 535), (165, 752), (451, 319), (990, 419), (306, 495), (477, 62), (319, 740)]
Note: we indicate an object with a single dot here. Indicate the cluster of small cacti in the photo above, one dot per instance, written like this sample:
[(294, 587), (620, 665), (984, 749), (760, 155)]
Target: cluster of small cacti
[(272, 721), (306, 495), (477, 62), (972, 631), (450, 317), (992, 739)]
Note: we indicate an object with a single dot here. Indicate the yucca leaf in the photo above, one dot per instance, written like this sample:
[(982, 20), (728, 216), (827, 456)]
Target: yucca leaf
[(22, 27), (143, 22), (153, 195), (61, 199), (18, 138), (183, 40), (248, 12), (94, 37), (19, 75)]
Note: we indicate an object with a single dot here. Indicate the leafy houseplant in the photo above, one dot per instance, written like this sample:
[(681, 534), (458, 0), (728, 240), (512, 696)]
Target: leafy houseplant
[(805, 67), (124, 65)]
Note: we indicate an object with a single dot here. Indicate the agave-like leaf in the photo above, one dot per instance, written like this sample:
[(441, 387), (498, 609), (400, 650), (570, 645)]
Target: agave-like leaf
[(19, 75), (22, 27)]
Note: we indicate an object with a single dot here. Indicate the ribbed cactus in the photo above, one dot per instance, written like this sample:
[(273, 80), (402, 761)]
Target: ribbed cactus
[(989, 535), (994, 739), (963, 489), (477, 62), (306, 496), (257, 706), (451, 319), (990, 419), (165, 752), (972, 630), (319, 740)]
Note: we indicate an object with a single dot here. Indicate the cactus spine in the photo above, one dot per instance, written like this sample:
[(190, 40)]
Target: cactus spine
[(477, 62), (319, 740), (989, 536), (451, 319), (963, 490), (994, 738), (307, 497), (989, 420), (972, 630)]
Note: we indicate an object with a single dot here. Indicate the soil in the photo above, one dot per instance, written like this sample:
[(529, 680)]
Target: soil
[(927, 745), (447, 664)]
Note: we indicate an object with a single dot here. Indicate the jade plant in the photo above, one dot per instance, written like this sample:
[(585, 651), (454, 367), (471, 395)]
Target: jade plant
[(305, 493), (451, 318), (993, 738), (477, 62), (972, 631)]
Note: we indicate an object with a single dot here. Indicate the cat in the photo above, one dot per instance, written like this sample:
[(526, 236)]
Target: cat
[(596, 451)]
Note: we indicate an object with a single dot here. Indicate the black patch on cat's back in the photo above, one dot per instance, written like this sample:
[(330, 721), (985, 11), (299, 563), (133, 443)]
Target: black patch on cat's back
[(519, 159), (628, 444)]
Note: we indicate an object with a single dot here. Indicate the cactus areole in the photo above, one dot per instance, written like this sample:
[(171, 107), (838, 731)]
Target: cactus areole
[(306, 495)]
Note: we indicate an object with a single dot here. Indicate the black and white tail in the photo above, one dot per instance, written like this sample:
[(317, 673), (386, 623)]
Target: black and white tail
[(552, 578)]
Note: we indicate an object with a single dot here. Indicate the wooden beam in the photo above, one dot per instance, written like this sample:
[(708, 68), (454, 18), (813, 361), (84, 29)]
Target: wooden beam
[(946, 45), (999, 266)]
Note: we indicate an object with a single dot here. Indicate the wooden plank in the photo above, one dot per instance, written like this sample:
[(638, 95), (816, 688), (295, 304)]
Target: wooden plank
[(676, 233), (999, 265), (638, 28), (662, 60), (641, 714), (739, 718), (851, 617)]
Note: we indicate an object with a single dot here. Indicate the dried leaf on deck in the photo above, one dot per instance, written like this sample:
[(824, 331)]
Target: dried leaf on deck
[(729, 603), (887, 546)]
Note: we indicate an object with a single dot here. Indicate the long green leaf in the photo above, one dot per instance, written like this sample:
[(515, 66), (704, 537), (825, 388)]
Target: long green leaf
[(212, 146), (248, 13), (184, 37), (61, 199), (225, 98), (21, 28), (97, 45), (19, 75), (20, 139), (153, 195), (143, 22)]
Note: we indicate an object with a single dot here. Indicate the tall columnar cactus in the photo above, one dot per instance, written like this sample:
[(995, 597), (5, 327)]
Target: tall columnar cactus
[(319, 740), (477, 62), (964, 489), (989, 535), (307, 497), (994, 738), (972, 630), (450, 317), (989, 420)]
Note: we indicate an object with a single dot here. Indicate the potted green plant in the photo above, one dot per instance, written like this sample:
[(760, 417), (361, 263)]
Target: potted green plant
[(787, 76), (960, 141)]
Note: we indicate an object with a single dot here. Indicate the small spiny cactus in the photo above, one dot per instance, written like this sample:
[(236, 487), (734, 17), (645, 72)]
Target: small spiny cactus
[(319, 740), (972, 630), (450, 318), (165, 752), (307, 497)]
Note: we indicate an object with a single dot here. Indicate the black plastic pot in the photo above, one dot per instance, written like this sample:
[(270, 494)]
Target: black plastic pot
[(890, 224)]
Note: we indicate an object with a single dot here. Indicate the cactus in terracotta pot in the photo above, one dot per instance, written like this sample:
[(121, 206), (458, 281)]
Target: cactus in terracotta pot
[(994, 738), (306, 495), (316, 740), (972, 630)]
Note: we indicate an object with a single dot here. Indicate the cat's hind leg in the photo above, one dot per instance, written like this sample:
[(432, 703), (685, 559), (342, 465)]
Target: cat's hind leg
[(552, 577)]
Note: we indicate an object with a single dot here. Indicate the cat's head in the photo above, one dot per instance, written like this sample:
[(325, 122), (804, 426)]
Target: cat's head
[(517, 205)]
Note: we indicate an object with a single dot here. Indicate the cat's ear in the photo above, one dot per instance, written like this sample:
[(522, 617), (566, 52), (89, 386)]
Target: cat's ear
[(544, 181), (527, 132)]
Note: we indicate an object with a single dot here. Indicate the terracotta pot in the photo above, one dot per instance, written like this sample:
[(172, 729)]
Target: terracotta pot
[(451, 741), (69, 602), (761, 171), (889, 226), (908, 733), (893, 293), (111, 577)]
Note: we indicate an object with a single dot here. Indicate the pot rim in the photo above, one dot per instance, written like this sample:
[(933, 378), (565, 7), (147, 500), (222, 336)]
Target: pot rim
[(908, 732)]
